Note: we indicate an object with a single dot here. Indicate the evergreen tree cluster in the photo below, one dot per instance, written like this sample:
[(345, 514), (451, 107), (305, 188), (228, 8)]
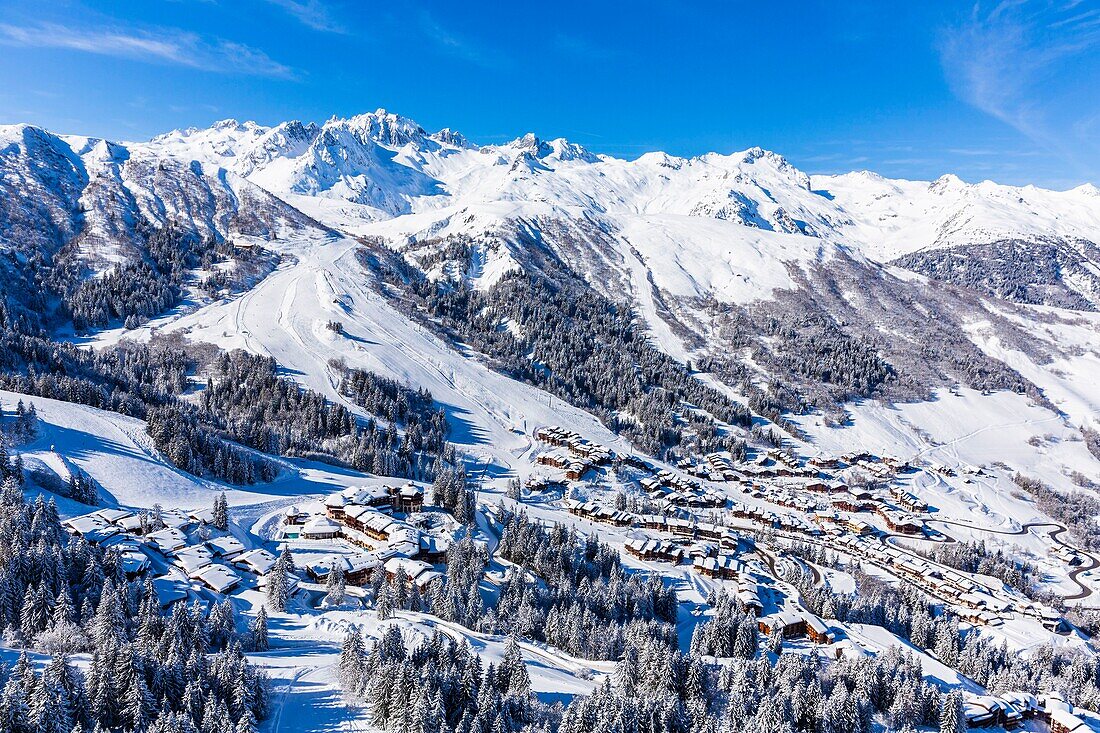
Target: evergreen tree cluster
[(728, 633), (438, 686), (179, 433), (135, 291), (586, 604), (425, 425), (443, 687), (247, 399), (126, 378), (449, 491), (131, 292), (20, 428), (148, 672), (82, 488), (576, 344)]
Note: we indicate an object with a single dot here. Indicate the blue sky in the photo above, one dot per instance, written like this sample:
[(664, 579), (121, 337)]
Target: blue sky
[(1005, 90)]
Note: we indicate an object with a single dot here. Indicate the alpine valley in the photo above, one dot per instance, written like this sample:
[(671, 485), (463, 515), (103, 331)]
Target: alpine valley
[(357, 426)]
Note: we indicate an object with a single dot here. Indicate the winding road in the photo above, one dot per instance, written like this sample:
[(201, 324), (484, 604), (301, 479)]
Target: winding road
[(1056, 532)]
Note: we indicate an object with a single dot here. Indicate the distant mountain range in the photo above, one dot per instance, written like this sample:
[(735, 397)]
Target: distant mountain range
[(741, 262)]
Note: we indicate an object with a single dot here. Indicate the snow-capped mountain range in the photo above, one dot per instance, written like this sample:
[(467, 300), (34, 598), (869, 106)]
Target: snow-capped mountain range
[(383, 173), (693, 244)]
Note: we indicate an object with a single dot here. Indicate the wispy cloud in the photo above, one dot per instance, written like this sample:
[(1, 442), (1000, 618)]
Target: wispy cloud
[(456, 45), (164, 45), (1013, 61), (314, 14)]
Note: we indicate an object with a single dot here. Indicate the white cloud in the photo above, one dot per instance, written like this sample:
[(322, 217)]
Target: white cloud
[(166, 45), (1014, 61), (312, 13)]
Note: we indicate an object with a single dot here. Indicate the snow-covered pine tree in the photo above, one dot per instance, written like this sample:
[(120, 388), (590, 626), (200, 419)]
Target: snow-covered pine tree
[(258, 631), (335, 586)]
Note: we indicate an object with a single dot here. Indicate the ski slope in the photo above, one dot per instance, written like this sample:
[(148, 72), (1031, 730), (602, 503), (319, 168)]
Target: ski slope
[(284, 316)]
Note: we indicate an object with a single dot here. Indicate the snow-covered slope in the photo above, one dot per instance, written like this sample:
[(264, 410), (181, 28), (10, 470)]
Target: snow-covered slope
[(686, 242), (891, 218), (97, 198)]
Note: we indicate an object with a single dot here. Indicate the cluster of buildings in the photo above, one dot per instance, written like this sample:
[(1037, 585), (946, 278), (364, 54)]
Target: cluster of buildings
[(1010, 710), (166, 544), (359, 567), (363, 516), (968, 599), (669, 490), (576, 455)]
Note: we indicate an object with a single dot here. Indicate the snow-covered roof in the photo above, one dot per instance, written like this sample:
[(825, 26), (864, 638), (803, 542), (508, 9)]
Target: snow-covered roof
[(319, 526), (168, 539), (219, 578), (258, 561), (193, 558), (227, 547)]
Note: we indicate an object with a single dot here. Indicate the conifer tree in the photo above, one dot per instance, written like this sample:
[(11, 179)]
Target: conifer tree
[(258, 631)]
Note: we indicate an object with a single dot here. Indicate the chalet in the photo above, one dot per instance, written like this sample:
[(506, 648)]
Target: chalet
[(859, 527), (218, 578), (405, 540), (334, 506), (901, 522), (1062, 721), (293, 516), (817, 630), (597, 513), (907, 500), (379, 497), (115, 516), (227, 547), (167, 540), (357, 516), (134, 560), (201, 516), (986, 711), (722, 567), (789, 624), (408, 499), (257, 562), (554, 460), (1051, 620), (357, 568), (710, 531), (824, 462), (320, 528), (169, 590), (850, 503), (576, 470), (411, 568), (433, 549), (702, 549), (658, 550), (426, 578), (748, 596), (1024, 702), (537, 484), (192, 559), (133, 524), (174, 518), (92, 527)]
